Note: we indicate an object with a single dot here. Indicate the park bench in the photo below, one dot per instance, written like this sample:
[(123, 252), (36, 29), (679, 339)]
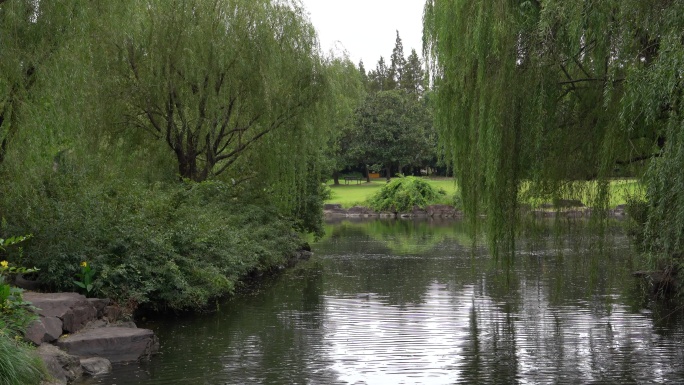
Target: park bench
[(347, 179)]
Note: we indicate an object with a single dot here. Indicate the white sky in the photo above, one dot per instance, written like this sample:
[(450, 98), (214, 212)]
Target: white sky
[(367, 28)]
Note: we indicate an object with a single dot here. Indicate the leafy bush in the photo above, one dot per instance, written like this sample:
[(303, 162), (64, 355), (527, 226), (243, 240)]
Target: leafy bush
[(403, 194), (18, 364), (173, 246)]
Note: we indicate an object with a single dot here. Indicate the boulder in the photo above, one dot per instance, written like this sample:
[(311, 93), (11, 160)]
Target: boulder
[(94, 366), (117, 344), (73, 309), (63, 367), (44, 329)]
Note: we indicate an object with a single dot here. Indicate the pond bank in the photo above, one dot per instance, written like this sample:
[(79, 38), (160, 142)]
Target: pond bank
[(335, 210), (79, 336)]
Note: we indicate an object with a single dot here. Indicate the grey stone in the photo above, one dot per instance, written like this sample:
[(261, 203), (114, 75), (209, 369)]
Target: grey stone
[(44, 329), (99, 304), (73, 309), (62, 366), (114, 343), (78, 317), (54, 304), (95, 366)]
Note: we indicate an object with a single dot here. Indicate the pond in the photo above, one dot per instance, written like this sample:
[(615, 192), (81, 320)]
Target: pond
[(412, 302)]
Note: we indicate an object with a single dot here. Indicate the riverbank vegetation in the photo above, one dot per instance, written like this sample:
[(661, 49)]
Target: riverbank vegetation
[(622, 192), (549, 92), (175, 147)]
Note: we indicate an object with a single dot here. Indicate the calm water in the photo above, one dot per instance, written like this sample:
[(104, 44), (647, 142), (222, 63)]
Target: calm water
[(403, 302)]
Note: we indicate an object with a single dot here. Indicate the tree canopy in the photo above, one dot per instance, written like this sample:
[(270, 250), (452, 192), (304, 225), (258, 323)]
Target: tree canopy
[(547, 93), (174, 144)]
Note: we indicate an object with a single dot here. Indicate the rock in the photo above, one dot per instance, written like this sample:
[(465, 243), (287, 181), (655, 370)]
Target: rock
[(359, 210), (442, 211), (72, 308), (60, 365), (113, 313), (78, 317), (99, 304), (27, 284), (332, 206), (117, 344), (44, 329), (419, 213), (94, 366)]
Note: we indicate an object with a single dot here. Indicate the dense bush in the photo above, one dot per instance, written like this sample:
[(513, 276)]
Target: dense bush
[(403, 194), (175, 245)]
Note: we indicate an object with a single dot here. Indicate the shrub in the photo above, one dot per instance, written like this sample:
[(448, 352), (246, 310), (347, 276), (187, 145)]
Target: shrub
[(168, 246), (403, 194)]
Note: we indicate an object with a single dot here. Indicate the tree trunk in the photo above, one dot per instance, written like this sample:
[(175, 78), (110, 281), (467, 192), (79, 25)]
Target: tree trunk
[(336, 178), (389, 172), (367, 174)]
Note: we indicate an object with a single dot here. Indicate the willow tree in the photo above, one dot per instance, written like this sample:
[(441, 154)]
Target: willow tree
[(31, 34), (543, 94), (210, 79)]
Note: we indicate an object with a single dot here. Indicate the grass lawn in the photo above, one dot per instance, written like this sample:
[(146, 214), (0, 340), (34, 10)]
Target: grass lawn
[(353, 194)]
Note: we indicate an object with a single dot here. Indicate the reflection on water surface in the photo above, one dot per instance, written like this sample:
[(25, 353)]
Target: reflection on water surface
[(403, 302)]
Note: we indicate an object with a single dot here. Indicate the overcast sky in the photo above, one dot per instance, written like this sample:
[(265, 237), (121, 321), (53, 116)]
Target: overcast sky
[(367, 28)]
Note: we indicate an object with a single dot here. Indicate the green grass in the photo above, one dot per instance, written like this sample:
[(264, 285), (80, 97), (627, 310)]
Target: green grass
[(353, 194)]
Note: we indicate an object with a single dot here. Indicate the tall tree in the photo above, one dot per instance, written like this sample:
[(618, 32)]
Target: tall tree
[(210, 79), (379, 77), (413, 75), (393, 130), (397, 62), (556, 91)]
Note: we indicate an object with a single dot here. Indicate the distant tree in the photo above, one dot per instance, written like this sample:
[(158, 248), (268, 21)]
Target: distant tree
[(392, 129), (413, 76), (378, 78), (347, 85), (396, 68), (364, 74)]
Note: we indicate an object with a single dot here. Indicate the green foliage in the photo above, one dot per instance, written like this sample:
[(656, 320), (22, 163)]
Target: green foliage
[(549, 93), (19, 365), (403, 194), (209, 80), (393, 129), (103, 105), (174, 246), (15, 313)]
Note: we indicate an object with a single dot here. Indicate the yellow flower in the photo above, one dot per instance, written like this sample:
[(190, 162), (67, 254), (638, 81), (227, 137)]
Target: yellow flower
[(84, 264), (4, 263)]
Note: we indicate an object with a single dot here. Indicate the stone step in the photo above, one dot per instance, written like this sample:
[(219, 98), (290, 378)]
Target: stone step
[(117, 344)]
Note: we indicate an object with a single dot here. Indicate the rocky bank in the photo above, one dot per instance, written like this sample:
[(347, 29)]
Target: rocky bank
[(79, 336)]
